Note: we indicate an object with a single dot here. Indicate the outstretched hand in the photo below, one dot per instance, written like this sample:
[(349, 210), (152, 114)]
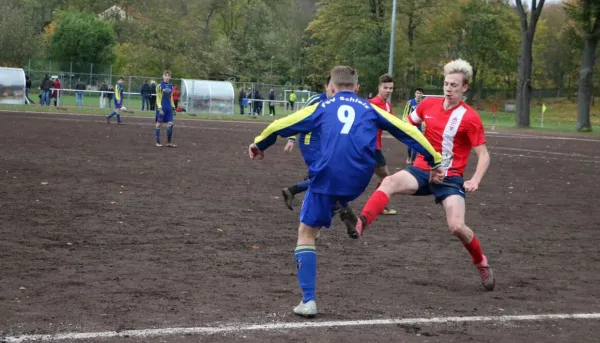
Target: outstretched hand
[(471, 186), (289, 147), (437, 175), (255, 153)]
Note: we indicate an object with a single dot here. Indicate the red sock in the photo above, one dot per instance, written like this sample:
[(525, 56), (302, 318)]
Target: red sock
[(475, 250), (375, 206)]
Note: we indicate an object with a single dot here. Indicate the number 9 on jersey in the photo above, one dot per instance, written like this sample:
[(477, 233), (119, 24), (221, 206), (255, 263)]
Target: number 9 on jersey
[(346, 116)]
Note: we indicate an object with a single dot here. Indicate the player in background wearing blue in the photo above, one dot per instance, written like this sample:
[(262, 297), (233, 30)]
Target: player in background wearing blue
[(165, 109), (118, 102), (410, 107), (347, 126), (310, 147)]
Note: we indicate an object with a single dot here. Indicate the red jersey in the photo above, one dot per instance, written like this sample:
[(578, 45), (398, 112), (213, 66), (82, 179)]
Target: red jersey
[(453, 133), (384, 105)]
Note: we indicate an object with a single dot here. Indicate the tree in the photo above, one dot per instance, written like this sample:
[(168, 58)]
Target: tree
[(20, 27), (349, 32), (528, 26), (586, 13), (82, 37), (483, 34)]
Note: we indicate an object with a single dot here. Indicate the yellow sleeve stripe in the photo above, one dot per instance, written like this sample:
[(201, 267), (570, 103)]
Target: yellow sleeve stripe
[(307, 139), (159, 95), (412, 132), (285, 122), (172, 101), (117, 93), (406, 111)]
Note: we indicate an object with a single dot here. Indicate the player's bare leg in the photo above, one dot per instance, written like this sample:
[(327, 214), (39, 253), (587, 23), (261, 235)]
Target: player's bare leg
[(401, 182), (455, 216), (306, 266), (382, 173)]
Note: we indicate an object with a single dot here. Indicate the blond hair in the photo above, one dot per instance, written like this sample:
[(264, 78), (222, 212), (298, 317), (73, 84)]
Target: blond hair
[(344, 77), (459, 66)]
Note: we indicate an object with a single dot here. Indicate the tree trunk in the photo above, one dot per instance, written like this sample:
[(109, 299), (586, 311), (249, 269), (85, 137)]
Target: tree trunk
[(584, 90), (410, 32), (524, 81), (479, 95), (473, 89)]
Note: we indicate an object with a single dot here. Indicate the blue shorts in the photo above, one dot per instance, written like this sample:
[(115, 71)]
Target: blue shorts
[(317, 209), (117, 105), (453, 185), (379, 159), (166, 118)]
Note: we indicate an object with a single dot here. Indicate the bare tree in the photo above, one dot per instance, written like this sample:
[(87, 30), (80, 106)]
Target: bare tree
[(528, 26), (586, 13)]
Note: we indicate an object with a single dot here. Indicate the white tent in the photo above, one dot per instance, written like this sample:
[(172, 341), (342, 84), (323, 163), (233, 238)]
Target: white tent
[(12, 86), (207, 97)]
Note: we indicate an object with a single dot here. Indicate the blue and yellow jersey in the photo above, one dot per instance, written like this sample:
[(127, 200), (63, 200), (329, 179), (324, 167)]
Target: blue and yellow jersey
[(164, 96), (410, 107), (347, 127), (119, 93), (309, 143)]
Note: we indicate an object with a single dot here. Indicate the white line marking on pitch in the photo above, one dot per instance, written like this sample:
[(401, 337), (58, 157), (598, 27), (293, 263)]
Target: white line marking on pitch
[(544, 157), (545, 152), (207, 330), (241, 121), (532, 136)]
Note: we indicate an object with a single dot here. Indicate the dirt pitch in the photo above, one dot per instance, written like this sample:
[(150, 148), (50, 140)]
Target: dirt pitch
[(100, 231)]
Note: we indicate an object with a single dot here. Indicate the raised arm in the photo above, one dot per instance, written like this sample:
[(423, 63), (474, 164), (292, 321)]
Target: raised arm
[(409, 135)]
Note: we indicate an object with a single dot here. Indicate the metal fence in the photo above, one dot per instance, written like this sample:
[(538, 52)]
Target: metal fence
[(93, 75)]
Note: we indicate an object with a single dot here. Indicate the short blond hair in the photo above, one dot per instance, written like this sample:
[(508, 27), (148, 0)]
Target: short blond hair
[(344, 77), (459, 66)]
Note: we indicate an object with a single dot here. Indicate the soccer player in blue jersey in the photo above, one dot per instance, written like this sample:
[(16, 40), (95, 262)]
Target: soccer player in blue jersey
[(410, 107), (165, 109), (118, 102), (310, 147), (347, 126)]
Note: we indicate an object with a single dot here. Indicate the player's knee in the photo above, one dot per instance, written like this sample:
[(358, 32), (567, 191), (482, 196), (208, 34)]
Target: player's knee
[(307, 234), (457, 227), (170, 125)]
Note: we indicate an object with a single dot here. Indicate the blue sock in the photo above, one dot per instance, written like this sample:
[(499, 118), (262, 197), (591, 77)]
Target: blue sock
[(169, 133), (306, 265), (157, 134), (111, 114), (118, 117), (302, 186)]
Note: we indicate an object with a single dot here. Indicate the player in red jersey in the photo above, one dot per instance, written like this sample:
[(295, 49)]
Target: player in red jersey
[(385, 89), (453, 128)]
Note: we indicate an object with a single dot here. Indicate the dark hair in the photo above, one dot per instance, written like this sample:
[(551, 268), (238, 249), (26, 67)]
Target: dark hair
[(385, 78), (419, 90), (122, 78)]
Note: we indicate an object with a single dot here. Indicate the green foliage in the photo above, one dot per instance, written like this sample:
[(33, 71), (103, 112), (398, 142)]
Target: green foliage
[(19, 40), (296, 41), (80, 36), (349, 32)]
